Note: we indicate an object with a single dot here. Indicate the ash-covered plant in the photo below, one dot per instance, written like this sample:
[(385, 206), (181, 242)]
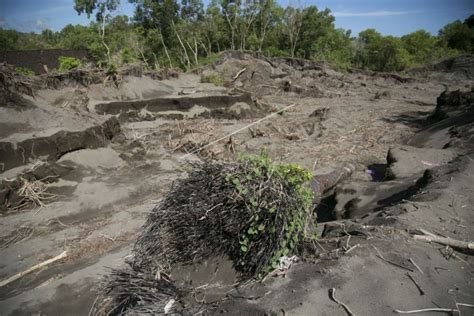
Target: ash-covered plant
[(251, 210)]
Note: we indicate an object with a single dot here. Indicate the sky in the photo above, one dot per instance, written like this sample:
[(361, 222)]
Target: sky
[(390, 17)]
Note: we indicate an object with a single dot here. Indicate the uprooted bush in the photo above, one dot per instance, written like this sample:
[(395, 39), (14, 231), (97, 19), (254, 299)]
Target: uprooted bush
[(253, 211)]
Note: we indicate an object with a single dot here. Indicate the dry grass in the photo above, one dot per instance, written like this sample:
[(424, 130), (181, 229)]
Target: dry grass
[(23, 233), (34, 193)]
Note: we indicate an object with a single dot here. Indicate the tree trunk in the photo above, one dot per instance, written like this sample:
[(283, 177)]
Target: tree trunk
[(166, 49), (182, 46)]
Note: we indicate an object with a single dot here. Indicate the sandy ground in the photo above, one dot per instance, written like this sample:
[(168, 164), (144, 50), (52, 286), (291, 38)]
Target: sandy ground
[(102, 192)]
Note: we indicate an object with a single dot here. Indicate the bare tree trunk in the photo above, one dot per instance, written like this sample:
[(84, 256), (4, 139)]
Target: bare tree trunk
[(232, 32), (102, 37), (264, 33), (206, 49), (194, 51), (182, 45), (166, 49), (143, 56), (245, 34), (209, 44), (157, 64)]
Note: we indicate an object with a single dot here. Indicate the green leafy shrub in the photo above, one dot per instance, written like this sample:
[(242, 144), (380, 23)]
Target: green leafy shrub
[(128, 56), (68, 63), (97, 53), (112, 69), (277, 224), (24, 71)]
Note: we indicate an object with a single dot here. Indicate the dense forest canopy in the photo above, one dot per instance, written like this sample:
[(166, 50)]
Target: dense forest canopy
[(185, 33)]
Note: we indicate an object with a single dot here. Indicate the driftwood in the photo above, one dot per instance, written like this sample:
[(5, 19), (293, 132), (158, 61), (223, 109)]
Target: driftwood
[(33, 268), (429, 237)]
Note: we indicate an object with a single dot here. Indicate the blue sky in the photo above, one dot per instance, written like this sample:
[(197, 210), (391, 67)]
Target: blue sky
[(390, 17)]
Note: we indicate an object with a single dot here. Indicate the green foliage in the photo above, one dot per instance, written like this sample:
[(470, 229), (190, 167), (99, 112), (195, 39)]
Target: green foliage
[(270, 213), (97, 52), (112, 69), (209, 60), (381, 53), (128, 56), (314, 30), (68, 63), (335, 48), (214, 78), (152, 35), (24, 71), (459, 35), (420, 45)]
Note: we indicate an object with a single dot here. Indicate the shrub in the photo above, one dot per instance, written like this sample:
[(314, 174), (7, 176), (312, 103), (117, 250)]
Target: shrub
[(97, 52), (252, 210), (68, 63), (112, 69), (127, 56), (24, 71)]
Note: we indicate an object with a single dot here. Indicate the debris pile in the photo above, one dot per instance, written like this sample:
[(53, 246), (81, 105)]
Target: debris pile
[(252, 211), (262, 76)]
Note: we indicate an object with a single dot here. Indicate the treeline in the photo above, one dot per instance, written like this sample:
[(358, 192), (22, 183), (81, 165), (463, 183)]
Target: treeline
[(168, 33)]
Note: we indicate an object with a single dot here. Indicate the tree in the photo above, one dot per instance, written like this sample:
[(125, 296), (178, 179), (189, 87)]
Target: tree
[(192, 10), (9, 39), (334, 47), (157, 14), (269, 15), (292, 20), (314, 25), (231, 12), (459, 35), (421, 45), (102, 9)]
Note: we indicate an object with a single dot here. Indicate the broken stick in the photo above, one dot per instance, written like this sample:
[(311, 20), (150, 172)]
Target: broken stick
[(446, 310), (33, 268), (332, 293), (416, 284), (429, 237), (239, 73)]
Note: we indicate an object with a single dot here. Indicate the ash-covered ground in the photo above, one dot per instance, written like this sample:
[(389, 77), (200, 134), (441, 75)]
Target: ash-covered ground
[(84, 160)]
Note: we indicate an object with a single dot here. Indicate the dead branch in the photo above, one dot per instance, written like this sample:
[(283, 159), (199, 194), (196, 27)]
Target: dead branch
[(444, 310), (416, 266), (447, 241), (416, 284), (239, 73), (33, 268), (332, 296), (379, 255)]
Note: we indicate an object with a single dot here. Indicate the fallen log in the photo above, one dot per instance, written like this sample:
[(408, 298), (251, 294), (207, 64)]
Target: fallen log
[(459, 244)]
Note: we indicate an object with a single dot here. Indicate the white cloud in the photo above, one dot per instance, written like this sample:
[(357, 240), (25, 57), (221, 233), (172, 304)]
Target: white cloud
[(370, 13)]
